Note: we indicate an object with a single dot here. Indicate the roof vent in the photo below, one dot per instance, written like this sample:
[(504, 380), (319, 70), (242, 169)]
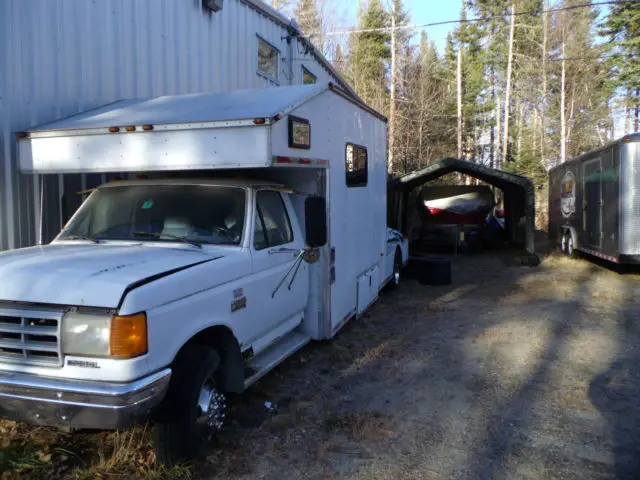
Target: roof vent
[(213, 5)]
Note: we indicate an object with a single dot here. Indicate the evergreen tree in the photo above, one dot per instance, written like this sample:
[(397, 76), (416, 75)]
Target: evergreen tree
[(369, 53), (308, 18), (622, 27)]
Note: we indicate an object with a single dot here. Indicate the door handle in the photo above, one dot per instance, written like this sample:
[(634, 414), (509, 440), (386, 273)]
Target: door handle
[(273, 251)]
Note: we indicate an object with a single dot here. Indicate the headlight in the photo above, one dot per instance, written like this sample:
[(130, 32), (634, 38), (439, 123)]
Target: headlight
[(104, 335), (86, 334)]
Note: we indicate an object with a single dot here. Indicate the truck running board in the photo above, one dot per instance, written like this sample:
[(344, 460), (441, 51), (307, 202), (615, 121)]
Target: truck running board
[(265, 361)]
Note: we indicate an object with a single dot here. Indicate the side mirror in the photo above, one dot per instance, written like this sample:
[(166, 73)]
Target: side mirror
[(315, 219)]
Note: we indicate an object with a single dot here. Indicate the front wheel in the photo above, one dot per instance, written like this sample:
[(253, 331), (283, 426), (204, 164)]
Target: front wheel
[(193, 411)]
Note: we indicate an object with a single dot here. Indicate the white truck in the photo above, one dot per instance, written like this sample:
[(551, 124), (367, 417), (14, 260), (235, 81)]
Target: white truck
[(248, 224)]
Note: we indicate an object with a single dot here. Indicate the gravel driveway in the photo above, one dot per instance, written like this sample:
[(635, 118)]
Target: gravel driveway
[(510, 372)]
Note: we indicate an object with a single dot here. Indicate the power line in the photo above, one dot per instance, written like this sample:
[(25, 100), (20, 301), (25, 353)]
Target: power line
[(472, 20), (549, 59)]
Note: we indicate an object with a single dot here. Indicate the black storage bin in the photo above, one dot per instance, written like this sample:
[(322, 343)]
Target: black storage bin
[(429, 271)]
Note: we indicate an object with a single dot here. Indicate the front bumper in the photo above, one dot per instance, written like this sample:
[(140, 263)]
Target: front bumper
[(80, 404)]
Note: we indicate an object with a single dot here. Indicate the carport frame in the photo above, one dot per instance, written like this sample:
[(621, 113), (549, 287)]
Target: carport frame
[(519, 194)]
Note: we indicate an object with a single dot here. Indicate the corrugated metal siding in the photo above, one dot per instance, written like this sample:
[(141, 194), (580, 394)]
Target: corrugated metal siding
[(60, 57)]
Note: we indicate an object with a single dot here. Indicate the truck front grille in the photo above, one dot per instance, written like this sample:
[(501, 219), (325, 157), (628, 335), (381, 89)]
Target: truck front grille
[(30, 337)]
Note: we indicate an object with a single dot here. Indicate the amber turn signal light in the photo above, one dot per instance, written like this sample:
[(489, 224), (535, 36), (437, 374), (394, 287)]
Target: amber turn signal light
[(128, 336)]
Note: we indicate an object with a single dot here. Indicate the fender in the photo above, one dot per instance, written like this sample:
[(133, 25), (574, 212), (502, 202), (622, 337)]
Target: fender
[(221, 338)]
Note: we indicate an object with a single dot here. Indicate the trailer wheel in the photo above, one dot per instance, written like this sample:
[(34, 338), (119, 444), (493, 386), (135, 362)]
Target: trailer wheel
[(396, 276), (193, 410)]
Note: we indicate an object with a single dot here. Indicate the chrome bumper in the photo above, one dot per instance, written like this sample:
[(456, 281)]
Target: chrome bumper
[(79, 404)]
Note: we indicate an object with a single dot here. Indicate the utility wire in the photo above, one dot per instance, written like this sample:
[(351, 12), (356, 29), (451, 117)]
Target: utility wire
[(472, 20), (549, 59)]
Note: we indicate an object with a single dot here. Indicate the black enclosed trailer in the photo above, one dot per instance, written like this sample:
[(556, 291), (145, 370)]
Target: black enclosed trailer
[(594, 202)]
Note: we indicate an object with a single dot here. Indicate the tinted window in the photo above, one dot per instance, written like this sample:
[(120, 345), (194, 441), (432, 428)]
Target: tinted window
[(273, 227), (356, 165), (206, 214)]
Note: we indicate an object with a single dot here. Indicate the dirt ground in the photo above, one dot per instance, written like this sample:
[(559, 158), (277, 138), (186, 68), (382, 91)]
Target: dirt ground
[(510, 372)]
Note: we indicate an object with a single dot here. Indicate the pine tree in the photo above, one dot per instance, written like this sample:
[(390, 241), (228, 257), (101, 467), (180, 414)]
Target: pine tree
[(308, 18), (369, 53), (622, 26)]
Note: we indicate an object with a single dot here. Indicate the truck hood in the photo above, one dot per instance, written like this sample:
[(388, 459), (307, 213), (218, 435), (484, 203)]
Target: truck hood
[(91, 275)]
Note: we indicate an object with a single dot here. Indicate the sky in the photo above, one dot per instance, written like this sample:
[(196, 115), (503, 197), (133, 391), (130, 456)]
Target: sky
[(425, 11)]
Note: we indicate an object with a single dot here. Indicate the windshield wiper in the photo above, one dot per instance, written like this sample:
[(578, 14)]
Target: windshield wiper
[(168, 235), (81, 237)]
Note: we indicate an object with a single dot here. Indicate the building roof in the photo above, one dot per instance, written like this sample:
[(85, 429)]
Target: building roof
[(191, 108)]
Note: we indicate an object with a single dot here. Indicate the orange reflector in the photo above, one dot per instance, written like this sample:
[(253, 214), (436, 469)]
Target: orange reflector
[(20, 135), (147, 128), (130, 128), (114, 129), (128, 335), (259, 121), (626, 140)]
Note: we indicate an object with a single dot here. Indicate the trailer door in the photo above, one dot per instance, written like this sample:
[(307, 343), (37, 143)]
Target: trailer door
[(593, 201)]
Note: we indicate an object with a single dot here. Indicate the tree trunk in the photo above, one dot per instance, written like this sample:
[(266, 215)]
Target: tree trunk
[(519, 125), (498, 131), (392, 110), (627, 118), (543, 103), (563, 118), (507, 99), (492, 131), (637, 115), (459, 82)]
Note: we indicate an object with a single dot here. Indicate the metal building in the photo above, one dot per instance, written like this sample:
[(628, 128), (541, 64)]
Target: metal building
[(61, 57)]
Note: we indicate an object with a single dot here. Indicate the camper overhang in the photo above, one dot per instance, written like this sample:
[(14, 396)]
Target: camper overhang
[(183, 132)]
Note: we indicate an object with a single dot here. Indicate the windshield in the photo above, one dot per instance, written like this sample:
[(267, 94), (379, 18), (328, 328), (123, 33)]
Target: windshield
[(190, 213)]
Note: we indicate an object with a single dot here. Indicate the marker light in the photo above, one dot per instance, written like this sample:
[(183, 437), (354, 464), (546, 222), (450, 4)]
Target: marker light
[(128, 336)]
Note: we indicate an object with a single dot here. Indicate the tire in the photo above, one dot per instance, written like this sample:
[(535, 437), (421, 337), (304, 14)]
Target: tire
[(396, 276), (570, 250), (193, 410)]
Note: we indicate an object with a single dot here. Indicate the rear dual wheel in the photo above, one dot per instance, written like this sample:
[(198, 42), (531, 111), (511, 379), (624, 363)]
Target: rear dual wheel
[(568, 245), (396, 277)]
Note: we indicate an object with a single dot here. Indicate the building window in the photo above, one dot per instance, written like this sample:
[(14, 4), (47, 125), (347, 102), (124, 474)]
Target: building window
[(356, 165), (267, 59), (272, 224), (308, 78)]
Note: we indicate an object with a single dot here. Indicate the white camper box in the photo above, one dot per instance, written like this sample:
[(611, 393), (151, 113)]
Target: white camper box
[(298, 141)]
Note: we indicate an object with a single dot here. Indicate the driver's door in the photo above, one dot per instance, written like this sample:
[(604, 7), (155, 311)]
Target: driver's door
[(276, 242)]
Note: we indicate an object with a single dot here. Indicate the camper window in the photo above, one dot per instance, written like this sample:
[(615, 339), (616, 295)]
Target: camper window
[(267, 59), (356, 165), (272, 224)]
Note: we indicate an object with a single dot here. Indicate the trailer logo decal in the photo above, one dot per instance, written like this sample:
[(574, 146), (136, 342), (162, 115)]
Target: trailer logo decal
[(568, 194)]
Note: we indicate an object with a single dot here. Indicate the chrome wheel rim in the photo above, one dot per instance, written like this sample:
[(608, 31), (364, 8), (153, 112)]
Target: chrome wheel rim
[(570, 246), (564, 244), (396, 274), (211, 406)]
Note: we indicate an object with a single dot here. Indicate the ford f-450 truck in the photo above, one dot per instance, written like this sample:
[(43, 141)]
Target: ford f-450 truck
[(245, 225)]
